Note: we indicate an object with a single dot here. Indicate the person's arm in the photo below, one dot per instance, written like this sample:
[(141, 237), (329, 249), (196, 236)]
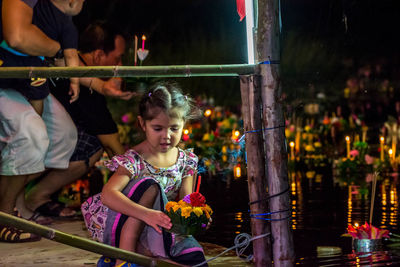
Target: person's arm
[(72, 60), (111, 87), (186, 187), (111, 144), (112, 197), (21, 34)]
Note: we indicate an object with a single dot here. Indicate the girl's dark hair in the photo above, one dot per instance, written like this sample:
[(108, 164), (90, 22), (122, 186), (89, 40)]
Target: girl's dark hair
[(167, 97)]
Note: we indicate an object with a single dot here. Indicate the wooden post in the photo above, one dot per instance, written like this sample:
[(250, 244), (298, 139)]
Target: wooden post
[(251, 103), (268, 54)]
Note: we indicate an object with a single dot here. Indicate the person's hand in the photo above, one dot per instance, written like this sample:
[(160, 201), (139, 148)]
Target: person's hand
[(209, 224), (112, 87), (74, 89), (59, 62), (157, 219)]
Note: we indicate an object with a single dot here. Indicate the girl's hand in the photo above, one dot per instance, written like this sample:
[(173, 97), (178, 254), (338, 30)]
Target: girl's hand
[(157, 219)]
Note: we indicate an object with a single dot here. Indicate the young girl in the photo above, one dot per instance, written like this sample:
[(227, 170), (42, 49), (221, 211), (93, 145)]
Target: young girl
[(129, 212)]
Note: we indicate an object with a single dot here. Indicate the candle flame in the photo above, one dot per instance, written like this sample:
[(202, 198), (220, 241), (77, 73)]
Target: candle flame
[(291, 144), (207, 113), (143, 37), (382, 139), (347, 138), (185, 131)]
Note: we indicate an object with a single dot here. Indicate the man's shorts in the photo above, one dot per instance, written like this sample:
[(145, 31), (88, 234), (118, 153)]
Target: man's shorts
[(32, 89), (86, 147), (29, 143)]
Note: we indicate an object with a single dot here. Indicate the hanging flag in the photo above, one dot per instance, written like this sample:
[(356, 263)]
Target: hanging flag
[(241, 8)]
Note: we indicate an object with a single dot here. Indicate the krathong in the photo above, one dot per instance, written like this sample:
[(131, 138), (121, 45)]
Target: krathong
[(367, 231), (190, 215)]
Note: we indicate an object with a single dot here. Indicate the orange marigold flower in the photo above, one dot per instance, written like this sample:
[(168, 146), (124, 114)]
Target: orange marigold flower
[(186, 212), (170, 205)]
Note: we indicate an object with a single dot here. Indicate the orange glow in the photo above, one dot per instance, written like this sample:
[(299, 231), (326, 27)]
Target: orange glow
[(207, 113), (237, 171)]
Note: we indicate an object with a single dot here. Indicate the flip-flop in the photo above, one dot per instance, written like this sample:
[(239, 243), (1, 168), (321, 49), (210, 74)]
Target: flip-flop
[(53, 209), (11, 234)]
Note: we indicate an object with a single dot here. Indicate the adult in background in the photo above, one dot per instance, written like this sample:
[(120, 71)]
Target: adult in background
[(100, 44), (29, 143)]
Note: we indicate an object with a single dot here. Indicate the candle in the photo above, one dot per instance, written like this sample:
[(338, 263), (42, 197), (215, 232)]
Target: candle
[(348, 146), (291, 144), (394, 141), (382, 141), (136, 41), (297, 142), (143, 39), (364, 133)]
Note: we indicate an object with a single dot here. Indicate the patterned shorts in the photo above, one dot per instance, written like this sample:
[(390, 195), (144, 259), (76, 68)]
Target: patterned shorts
[(86, 147)]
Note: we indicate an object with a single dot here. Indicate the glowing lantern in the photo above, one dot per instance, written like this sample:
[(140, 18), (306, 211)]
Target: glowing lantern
[(237, 171)]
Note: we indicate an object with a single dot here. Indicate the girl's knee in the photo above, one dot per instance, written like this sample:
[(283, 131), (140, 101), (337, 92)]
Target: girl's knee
[(149, 196)]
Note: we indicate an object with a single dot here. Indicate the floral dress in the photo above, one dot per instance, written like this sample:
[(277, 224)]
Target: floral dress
[(105, 224)]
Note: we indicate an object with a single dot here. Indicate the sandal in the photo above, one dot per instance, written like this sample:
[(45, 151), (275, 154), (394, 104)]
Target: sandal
[(11, 234), (40, 219), (105, 262), (54, 209)]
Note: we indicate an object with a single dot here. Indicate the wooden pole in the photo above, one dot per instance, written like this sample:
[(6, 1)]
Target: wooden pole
[(233, 70), (82, 243), (251, 103), (268, 54)]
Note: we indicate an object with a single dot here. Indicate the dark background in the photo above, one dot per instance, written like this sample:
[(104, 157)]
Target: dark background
[(323, 42)]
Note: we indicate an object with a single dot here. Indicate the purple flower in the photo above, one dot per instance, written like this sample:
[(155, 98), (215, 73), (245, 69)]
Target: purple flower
[(125, 118), (187, 199)]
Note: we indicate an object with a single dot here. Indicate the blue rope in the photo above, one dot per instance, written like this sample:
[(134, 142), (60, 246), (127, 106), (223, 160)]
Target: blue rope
[(259, 130)]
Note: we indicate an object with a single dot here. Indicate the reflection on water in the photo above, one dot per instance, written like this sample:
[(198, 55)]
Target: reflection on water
[(321, 211)]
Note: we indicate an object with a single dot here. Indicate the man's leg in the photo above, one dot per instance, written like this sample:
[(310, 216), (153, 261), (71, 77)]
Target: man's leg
[(10, 187), (55, 180)]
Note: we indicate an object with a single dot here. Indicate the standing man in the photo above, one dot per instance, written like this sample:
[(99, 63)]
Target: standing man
[(100, 44), (29, 143)]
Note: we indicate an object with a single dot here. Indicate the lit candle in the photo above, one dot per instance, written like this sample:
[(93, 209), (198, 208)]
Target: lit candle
[(143, 39), (348, 146), (394, 141), (382, 141), (390, 151), (297, 142), (237, 171), (291, 144)]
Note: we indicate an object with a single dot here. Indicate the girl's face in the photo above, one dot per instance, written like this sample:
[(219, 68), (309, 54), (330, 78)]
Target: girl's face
[(163, 132)]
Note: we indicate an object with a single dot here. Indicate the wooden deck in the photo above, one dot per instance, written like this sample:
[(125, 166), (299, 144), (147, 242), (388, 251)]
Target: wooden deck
[(51, 253)]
